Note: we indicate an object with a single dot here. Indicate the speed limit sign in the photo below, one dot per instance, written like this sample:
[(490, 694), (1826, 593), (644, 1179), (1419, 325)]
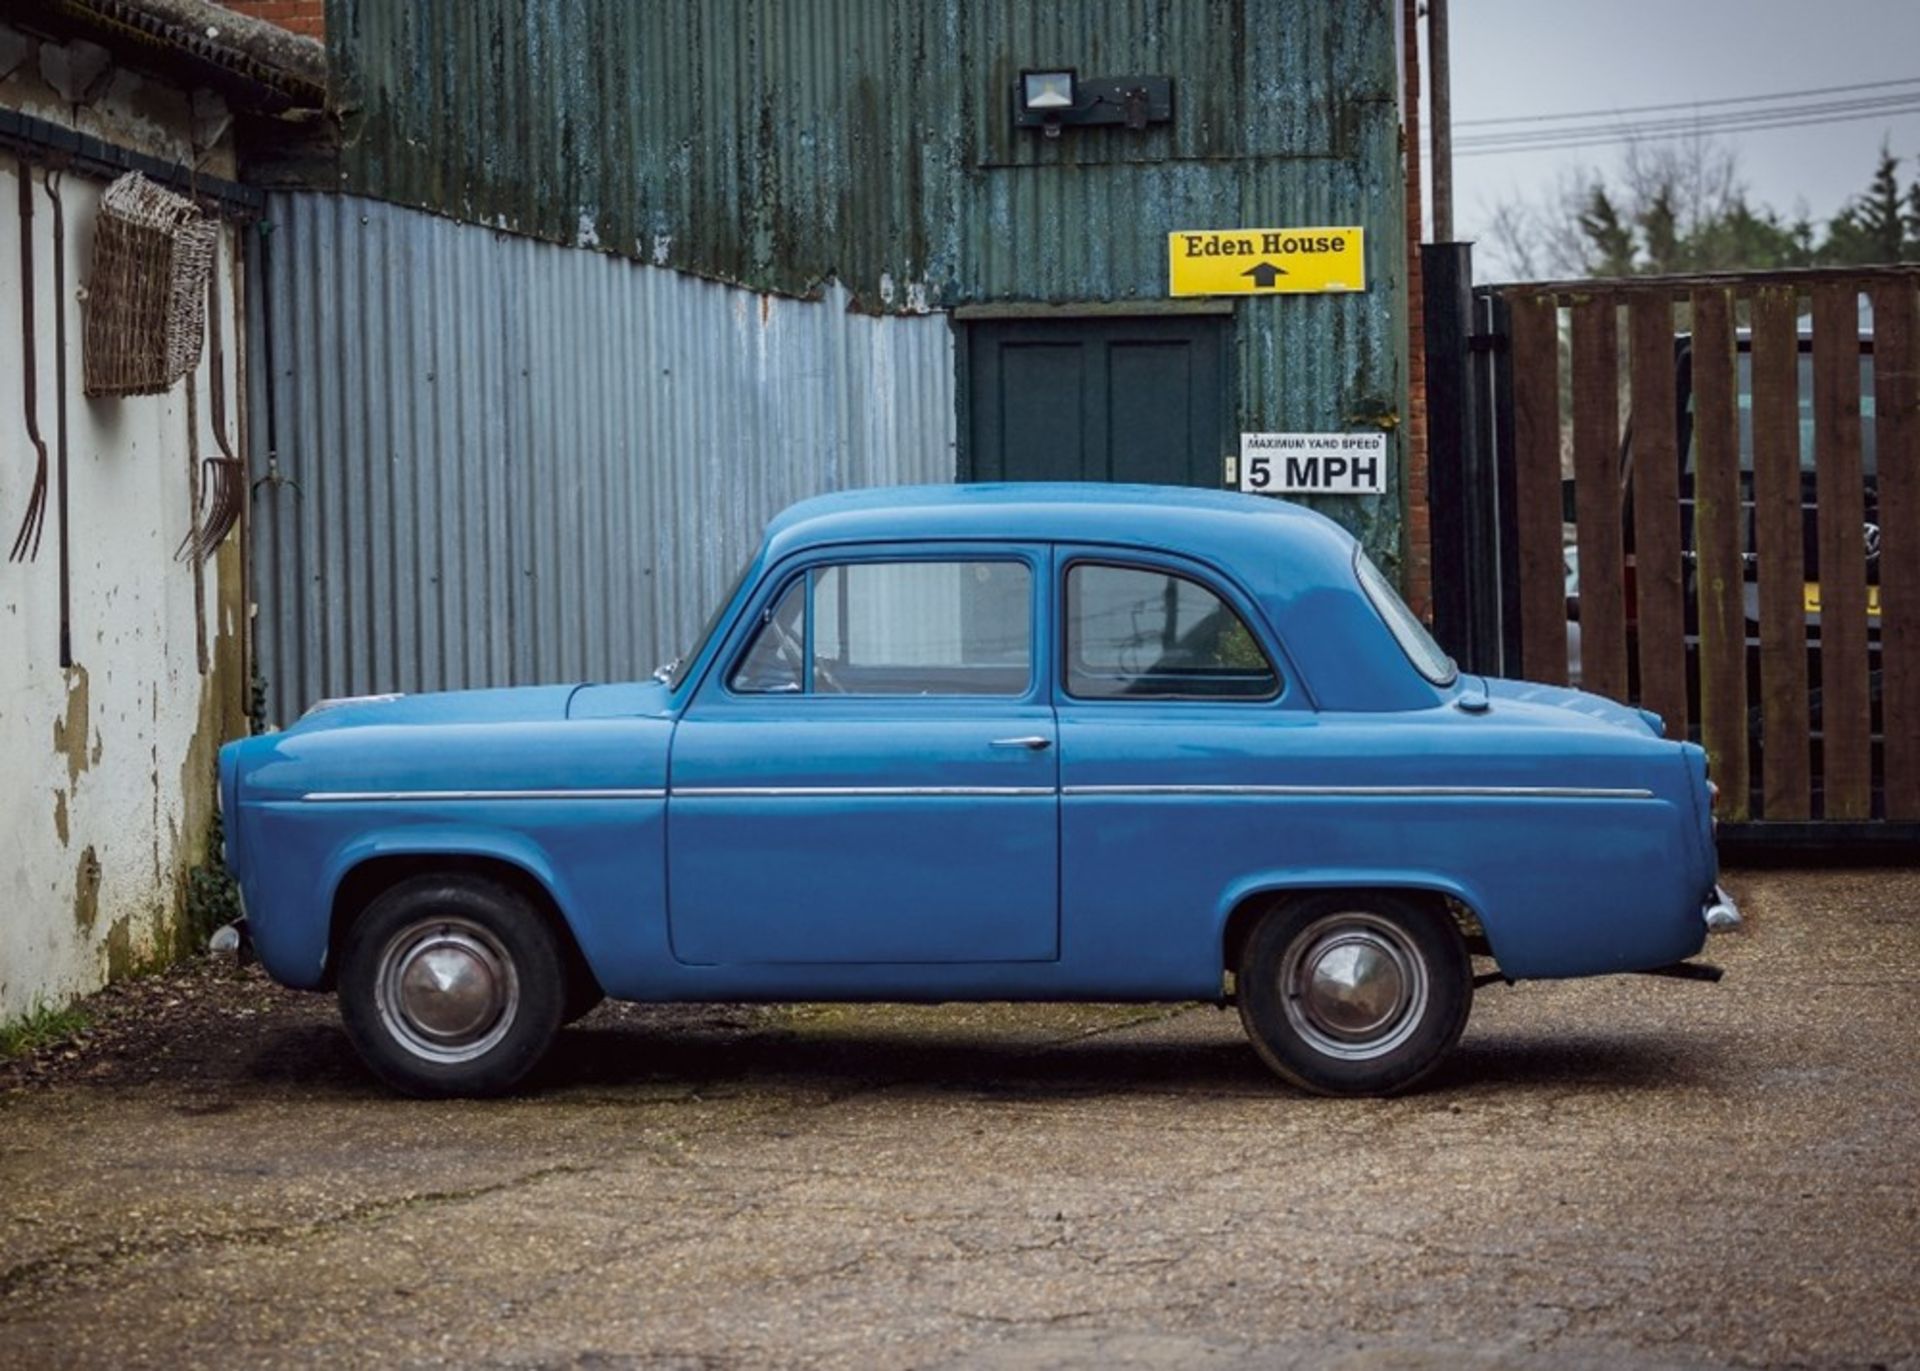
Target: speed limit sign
[(1313, 463)]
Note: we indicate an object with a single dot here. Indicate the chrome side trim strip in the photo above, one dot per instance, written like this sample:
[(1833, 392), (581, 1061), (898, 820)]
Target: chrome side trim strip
[(984, 791), (443, 796), (858, 792), (1523, 792)]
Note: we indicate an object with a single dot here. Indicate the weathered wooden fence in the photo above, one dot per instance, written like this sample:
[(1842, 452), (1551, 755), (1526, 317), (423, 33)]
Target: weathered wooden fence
[(1707, 497)]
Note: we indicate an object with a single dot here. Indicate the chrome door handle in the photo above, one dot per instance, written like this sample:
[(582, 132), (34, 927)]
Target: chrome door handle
[(1032, 744)]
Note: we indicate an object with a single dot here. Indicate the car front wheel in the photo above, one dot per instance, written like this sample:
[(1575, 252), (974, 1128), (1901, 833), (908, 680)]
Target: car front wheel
[(1354, 994), (451, 985)]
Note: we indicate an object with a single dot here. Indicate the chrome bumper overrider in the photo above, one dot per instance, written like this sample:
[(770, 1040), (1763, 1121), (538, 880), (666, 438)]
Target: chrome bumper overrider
[(232, 942), (1720, 913)]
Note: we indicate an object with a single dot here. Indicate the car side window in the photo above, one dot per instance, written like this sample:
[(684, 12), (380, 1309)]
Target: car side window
[(897, 628), (1144, 633)]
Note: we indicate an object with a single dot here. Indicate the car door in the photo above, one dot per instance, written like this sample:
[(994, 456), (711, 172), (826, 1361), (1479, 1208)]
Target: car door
[(1176, 719), (868, 772)]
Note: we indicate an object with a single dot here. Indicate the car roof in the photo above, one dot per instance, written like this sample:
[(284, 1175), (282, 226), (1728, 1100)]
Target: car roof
[(1173, 518)]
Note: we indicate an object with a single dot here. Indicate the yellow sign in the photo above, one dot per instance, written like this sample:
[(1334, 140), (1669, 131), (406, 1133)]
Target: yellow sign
[(1295, 261)]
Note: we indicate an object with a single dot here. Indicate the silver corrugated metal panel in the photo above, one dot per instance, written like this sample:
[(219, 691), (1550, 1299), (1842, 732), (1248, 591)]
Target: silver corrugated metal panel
[(505, 461)]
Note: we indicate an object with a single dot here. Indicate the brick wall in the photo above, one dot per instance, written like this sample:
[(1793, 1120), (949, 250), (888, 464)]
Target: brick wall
[(1417, 581), (301, 16)]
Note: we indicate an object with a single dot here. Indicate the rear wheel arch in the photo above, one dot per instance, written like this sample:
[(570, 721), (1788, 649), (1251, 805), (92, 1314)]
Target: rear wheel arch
[(366, 881), (1444, 904)]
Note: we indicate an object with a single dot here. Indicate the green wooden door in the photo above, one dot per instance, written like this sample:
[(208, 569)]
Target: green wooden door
[(1097, 399)]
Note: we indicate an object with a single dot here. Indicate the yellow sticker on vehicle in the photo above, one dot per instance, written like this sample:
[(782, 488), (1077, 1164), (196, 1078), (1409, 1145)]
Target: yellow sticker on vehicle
[(1813, 599)]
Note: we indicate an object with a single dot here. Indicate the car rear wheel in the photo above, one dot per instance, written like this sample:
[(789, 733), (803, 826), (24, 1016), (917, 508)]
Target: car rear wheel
[(451, 985), (1354, 994)]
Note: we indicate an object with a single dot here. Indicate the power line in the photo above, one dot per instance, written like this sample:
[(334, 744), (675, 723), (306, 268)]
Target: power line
[(1704, 123), (1684, 104), (1726, 121), (1756, 128), (1612, 142)]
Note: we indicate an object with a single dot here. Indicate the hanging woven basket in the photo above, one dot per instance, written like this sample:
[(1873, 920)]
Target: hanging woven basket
[(146, 315)]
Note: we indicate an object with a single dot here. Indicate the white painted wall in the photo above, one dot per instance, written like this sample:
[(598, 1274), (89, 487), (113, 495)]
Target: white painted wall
[(105, 767)]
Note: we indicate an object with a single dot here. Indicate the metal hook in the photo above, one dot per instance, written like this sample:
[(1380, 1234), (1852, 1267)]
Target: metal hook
[(273, 476)]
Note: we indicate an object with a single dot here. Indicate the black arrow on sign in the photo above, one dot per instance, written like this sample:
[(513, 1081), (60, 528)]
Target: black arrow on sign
[(1264, 274)]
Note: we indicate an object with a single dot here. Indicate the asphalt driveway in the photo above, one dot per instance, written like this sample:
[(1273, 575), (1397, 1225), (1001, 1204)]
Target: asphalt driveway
[(1626, 1171)]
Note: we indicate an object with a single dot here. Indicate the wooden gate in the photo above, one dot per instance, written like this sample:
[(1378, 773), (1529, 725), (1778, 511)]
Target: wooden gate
[(1707, 503)]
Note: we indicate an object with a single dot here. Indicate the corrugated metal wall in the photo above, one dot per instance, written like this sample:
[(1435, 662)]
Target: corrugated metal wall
[(778, 144), (503, 461), (519, 461), (781, 145)]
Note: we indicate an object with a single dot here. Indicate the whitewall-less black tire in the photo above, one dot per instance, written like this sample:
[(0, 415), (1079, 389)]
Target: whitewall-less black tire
[(451, 985), (1354, 993)]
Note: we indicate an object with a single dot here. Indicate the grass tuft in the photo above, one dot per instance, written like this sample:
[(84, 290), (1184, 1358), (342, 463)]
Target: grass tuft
[(45, 1026)]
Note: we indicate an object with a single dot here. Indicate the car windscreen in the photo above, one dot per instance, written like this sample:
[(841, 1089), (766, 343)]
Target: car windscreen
[(1403, 623)]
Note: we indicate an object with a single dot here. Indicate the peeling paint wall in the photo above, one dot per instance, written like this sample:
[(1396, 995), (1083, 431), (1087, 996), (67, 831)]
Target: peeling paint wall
[(108, 763)]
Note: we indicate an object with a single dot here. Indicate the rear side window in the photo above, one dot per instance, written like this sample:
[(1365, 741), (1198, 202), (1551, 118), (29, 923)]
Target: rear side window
[(1144, 633), (1425, 654)]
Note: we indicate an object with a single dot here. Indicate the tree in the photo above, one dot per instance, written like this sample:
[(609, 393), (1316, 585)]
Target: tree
[(1611, 237), (1681, 207), (1875, 225)]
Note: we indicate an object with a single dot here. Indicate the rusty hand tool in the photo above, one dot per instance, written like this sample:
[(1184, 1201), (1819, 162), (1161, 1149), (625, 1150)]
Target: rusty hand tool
[(26, 543), (225, 488)]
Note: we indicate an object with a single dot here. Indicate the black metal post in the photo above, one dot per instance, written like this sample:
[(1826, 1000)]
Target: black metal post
[(1461, 550), (1496, 428)]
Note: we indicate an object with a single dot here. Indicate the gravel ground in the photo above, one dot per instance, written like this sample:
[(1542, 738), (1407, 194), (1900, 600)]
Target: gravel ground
[(1613, 1172)]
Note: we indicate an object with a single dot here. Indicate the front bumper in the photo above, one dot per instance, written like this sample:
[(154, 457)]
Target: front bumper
[(1720, 913)]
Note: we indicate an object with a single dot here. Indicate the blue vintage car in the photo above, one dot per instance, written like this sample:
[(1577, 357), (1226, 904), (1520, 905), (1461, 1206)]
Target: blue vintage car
[(1036, 742)]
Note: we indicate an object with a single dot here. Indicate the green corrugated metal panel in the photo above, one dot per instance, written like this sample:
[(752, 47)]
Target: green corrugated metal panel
[(783, 143), (777, 143), (774, 143)]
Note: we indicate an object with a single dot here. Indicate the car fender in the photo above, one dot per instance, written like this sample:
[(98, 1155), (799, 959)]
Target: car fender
[(1283, 881), (514, 848)]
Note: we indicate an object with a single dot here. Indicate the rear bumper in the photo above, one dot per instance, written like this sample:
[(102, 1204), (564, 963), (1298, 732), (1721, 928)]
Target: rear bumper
[(1720, 913)]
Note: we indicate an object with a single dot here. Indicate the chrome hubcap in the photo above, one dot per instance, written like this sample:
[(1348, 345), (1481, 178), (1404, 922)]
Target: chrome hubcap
[(1354, 986), (446, 990)]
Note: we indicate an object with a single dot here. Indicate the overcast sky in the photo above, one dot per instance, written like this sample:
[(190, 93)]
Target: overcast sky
[(1543, 57)]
